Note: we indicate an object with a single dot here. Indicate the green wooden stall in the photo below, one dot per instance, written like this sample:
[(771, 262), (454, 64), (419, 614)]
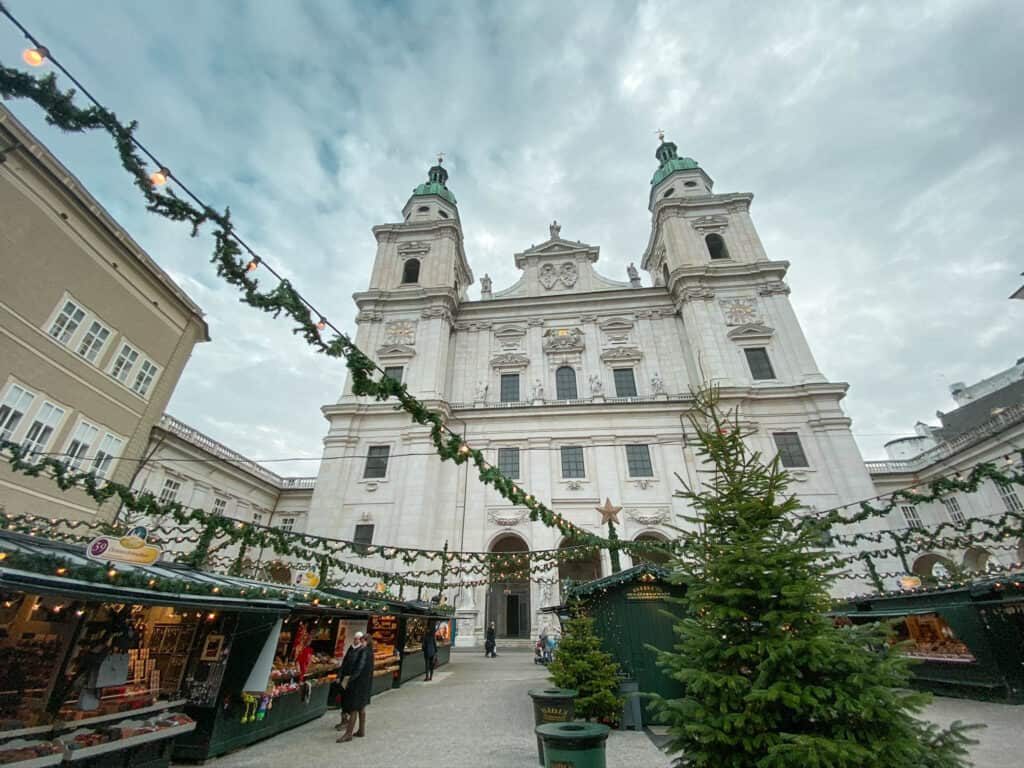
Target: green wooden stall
[(632, 610), (967, 640)]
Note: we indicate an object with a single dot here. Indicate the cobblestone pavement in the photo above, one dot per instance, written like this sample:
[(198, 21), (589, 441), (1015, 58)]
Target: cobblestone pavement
[(475, 714)]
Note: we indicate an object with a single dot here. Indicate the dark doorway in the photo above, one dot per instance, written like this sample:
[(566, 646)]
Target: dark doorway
[(512, 615)]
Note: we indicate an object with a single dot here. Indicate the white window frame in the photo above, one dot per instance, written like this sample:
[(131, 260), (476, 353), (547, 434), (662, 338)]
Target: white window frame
[(911, 517), (144, 390), (586, 463), (954, 510), (124, 376), (650, 460), (35, 446), (79, 460), (72, 339), (1008, 495), (387, 467), (167, 494), (86, 346), (27, 409), (257, 516), (519, 461), (104, 459), (219, 506), (287, 524)]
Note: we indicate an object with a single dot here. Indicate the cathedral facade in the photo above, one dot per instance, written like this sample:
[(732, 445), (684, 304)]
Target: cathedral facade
[(576, 385)]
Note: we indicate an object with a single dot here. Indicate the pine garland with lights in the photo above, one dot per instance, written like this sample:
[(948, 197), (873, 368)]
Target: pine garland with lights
[(580, 663), (770, 681)]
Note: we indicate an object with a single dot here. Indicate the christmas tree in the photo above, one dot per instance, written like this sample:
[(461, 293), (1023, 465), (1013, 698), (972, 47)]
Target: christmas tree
[(581, 664), (770, 681)]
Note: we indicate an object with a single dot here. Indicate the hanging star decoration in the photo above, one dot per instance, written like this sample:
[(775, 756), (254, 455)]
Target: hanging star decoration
[(609, 512)]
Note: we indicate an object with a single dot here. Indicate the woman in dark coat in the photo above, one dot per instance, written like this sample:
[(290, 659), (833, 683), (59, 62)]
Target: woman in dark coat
[(429, 651), (357, 695), (491, 641)]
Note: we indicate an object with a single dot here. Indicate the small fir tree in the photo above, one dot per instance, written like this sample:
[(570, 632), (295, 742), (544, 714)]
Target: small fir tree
[(582, 664), (770, 681)]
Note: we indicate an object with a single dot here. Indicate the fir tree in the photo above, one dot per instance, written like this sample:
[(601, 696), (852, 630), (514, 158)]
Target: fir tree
[(581, 663), (770, 681)]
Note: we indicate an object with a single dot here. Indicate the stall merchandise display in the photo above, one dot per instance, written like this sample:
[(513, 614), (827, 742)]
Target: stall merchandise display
[(24, 750), (932, 639), (384, 631), (415, 628)]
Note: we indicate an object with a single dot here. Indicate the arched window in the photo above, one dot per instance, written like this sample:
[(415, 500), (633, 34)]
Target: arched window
[(716, 246), (664, 274), (411, 271), (565, 383)]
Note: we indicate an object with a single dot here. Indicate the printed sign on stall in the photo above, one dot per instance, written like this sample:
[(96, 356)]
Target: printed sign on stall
[(131, 549), (306, 580)]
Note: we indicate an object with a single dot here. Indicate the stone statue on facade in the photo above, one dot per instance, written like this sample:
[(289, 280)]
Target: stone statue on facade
[(555, 229), (634, 275), (596, 386), (485, 283), (481, 392), (657, 384), (538, 391)]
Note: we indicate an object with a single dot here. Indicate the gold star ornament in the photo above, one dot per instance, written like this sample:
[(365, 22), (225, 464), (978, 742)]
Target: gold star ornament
[(609, 513)]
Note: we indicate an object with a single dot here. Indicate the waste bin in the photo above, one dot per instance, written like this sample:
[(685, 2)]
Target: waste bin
[(551, 705), (573, 745), (632, 714)]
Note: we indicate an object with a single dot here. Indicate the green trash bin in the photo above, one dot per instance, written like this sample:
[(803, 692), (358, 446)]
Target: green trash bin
[(552, 705), (573, 745)]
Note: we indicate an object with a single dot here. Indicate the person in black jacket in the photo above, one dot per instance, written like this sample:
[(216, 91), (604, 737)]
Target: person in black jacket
[(357, 694), (345, 670), (491, 641), (429, 652)]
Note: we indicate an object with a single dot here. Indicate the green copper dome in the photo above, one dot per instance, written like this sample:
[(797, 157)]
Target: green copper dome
[(437, 178), (670, 162)]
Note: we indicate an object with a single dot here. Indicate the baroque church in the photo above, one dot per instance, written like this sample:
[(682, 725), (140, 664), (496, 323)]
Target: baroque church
[(575, 384)]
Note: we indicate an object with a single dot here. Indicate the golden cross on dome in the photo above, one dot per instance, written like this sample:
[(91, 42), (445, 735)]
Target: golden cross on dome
[(440, 158), (661, 135), (609, 512)]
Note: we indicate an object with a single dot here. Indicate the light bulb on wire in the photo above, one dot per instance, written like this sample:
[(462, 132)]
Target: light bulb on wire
[(35, 57), (253, 265), (160, 177), (322, 324)]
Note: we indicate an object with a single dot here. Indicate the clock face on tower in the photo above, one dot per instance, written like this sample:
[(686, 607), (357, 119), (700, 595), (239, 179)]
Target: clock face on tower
[(401, 332)]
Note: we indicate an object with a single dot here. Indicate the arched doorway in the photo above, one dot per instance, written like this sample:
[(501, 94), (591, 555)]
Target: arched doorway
[(654, 558), (508, 598), (584, 565), (980, 560), (930, 565)]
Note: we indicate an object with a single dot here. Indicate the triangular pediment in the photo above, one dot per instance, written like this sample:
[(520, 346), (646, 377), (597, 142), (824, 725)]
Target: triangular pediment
[(751, 331)]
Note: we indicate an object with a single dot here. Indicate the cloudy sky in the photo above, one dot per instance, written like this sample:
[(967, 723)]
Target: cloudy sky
[(883, 142)]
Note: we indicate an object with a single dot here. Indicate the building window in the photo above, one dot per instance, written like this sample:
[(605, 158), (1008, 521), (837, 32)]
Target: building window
[(287, 523), (257, 518), (716, 246), (952, 506), (638, 457), (67, 322), (508, 462), (170, 490), (377, 461), (1011, 501), (93, 341), (394, 372), (363, 537), (760, 365), (144, 378), (411, 271), (37, 439), (124, 362), (510, 387), (572, 462), (110, 449), (220, 506), (791, 452), (81, 443), (12, 410), (911, 516), (565, 383), (625, 382)]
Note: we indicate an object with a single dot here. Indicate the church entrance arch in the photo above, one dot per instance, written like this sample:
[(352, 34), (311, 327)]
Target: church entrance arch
[(508, 597), (581, 568), (654, 558)]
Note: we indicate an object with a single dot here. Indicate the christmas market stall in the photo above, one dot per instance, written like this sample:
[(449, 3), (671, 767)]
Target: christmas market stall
[(416, 620), (967, 639), (632, 610), (101, 660)]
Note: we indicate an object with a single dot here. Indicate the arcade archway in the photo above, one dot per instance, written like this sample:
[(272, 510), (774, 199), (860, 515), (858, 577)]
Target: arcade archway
[(579, 569), (508, 597), (654, 558)]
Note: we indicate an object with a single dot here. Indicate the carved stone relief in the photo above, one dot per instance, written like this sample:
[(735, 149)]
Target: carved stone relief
[(563, 340), (367, 316), (510, 337), (414, 248), (510, 360), (621, 355), (774, 287), (566, 274), (506, 518), (708, 224), (741, 311), (432, 312), (696, 292), (400, 332), (648, 516)]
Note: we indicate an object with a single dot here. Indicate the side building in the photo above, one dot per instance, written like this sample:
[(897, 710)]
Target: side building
[(93, 334), (575, 384), (986, 426)]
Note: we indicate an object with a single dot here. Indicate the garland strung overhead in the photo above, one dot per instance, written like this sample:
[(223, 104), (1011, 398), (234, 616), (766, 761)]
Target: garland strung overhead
[(236, 266)]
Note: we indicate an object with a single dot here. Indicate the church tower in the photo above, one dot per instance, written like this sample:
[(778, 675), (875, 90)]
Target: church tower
[(420, 276)]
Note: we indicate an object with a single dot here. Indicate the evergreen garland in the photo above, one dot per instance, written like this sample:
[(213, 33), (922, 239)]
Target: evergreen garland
[(770, 681)]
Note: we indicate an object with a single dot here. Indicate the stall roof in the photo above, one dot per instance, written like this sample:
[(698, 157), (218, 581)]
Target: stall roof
[(31, 563), (617, 579)]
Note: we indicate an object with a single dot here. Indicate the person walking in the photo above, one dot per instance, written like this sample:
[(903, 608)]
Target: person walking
[(357, 694), (345, 671), (429, 645), (490, 644)]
